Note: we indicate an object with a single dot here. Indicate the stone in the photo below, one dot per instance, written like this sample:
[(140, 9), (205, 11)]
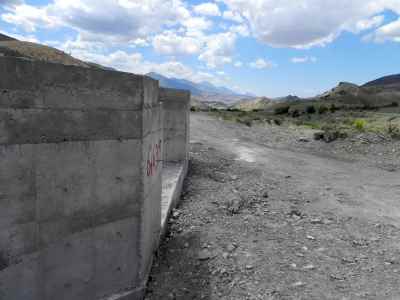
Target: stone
[(231, 248), (298, 284), (309, 267), (303, 140), (319, 135), (204, 255)]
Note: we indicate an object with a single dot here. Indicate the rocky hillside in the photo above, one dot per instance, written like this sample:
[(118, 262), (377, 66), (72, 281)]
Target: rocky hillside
[(253, 104), (392, 82), (382, 92)]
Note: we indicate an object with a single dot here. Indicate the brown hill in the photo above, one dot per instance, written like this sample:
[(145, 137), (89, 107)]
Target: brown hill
[(392, 81), (372, 95), (38, 52), (15, 48), (4, 37)]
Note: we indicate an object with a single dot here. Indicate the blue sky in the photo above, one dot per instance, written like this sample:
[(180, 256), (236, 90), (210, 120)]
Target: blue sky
[(267, 47)]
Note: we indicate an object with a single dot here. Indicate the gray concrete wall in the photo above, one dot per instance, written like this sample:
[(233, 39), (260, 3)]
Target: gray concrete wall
[(176, 104), (80, 180)]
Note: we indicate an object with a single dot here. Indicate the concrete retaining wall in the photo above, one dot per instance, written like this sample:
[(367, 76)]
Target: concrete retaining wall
[(176, 107), (80, 181), (176, 124)]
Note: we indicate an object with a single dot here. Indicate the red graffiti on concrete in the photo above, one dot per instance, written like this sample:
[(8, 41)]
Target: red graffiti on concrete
[(153, 159)]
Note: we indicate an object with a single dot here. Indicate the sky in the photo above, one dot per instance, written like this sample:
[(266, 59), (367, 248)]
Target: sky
[(267, 47)]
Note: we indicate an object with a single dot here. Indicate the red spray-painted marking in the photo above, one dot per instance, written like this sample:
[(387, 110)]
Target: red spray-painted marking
[(153, 158)]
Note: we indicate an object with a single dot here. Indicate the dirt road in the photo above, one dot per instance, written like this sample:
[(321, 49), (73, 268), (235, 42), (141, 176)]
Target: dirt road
[(265, 222)]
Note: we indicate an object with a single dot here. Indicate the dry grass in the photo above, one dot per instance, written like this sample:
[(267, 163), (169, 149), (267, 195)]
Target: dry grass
[(38, 52)]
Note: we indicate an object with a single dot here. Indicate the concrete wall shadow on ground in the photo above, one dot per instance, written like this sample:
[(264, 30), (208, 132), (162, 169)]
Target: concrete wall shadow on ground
[(80, 181)]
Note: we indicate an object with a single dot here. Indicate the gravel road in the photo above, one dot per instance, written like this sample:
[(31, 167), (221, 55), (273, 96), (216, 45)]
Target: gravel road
[(282, 220)]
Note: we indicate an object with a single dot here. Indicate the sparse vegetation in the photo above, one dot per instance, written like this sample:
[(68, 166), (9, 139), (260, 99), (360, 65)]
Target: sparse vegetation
[(360, 124), (310, 109), (393, 130), (322, 109), (282, 109), (332, 121)]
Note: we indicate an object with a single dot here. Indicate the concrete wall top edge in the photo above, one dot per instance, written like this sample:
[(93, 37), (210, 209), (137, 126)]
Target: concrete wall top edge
[(167, 94), (87, 87)]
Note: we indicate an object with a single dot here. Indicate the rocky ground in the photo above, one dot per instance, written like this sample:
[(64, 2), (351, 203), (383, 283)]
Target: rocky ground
[(268, 213)]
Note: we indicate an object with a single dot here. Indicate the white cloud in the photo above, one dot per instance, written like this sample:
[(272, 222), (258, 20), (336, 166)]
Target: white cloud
[(261, 64), (139, 42), (238, 64), (242, 30), (389, 32), (369, 23), (232, 16), (111, 20), (196, 25), (22, 37), (10, 3), (219, 49), (208, 9), (308, 23), (170, 43), (303, 59), (28, 17)]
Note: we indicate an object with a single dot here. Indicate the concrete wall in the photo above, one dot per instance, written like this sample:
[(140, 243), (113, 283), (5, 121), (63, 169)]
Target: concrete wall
[(176, 104), (80, 180), (176, 107)]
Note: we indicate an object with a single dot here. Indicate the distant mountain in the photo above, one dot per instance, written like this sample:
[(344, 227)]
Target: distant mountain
[(289, 98), (204, 91), (174, 83), (391, 80)]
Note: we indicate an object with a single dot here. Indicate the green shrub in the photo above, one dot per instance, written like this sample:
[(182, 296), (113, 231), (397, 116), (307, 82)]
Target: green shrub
[(281, 110), (312, 125), (393, 130), (360, 124), (295, 113), (323, 109), (311, 109), (246, 122), (333, 108)]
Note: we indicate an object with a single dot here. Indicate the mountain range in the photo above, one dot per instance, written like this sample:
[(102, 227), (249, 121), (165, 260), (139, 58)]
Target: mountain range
[(202, 91)]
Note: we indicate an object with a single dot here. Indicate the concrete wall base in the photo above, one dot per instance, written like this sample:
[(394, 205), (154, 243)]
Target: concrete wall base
[(173, 175), (136, 294)]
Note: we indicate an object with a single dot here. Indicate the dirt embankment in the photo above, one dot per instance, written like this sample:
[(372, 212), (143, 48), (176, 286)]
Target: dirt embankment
[(261, 222)]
